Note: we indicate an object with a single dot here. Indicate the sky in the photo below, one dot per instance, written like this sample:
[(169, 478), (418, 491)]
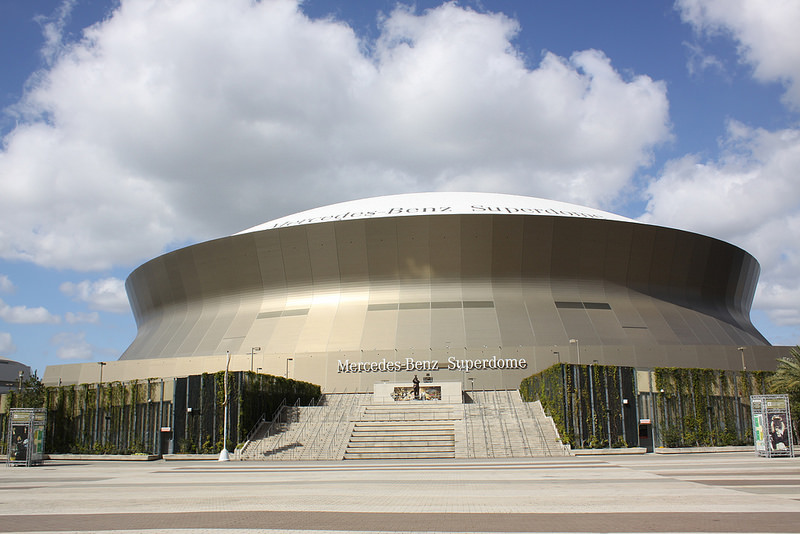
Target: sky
[(131, 128)]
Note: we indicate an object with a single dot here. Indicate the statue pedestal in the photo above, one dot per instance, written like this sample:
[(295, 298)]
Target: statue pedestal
[(397, 392)]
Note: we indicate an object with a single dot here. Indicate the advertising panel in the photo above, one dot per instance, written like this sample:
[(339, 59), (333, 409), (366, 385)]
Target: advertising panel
[(26, 431), (772, 425)]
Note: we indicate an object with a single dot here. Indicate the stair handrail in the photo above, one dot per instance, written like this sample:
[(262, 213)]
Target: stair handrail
[(271, 430), (482, 410), (276, 414), (502, 424), (541, 431), (315, 422), (348, 413), (466, 429), (523, 432), (250, 434), (310, 432), (534, 415)]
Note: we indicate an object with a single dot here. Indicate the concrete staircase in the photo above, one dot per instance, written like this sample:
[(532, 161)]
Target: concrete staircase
[(405, 430), (499, 425), (491, 424)]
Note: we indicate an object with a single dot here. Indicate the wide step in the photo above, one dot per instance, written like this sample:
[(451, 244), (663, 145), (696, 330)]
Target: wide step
[(402, 432)]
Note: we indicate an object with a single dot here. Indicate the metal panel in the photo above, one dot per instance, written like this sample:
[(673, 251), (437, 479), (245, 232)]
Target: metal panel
[(447, 328)]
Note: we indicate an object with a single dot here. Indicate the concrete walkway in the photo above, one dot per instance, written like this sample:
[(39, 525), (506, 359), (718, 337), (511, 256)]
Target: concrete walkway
[(720, 492)]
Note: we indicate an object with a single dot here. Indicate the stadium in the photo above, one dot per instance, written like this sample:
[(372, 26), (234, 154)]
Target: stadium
[(12, 374), (477, 288)]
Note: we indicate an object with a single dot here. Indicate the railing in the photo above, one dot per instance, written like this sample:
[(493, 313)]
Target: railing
[(487, 442), (512, 401), (272, 429), (467, 439), (250, 435), (501, 422)]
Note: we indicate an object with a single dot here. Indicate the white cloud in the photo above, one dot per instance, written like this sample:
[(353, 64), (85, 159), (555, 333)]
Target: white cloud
[(107, 294), (72, 346), (176, 121), (766, 33), (76, 318), (7, 346), (6, 286), (53, 28), (25, 315), (700, 61), (748, 196)]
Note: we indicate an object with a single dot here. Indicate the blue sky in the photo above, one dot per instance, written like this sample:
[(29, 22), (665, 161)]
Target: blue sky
[(132, 128)]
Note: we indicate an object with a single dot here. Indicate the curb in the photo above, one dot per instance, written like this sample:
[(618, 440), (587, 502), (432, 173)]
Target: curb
[(605, 452), (104, 457), (695, 450), (181, 457)]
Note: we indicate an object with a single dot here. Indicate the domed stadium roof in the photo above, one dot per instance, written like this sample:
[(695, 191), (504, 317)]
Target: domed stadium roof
[(437, 203)]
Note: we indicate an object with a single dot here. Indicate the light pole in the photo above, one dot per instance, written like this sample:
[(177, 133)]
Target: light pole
[(21, 374), (97, 408), (578, 346), (287, 366), (223, 454), (252, 351), (744, 367)]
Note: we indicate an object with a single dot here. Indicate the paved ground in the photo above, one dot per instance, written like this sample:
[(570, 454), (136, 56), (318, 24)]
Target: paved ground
[(719, 492)]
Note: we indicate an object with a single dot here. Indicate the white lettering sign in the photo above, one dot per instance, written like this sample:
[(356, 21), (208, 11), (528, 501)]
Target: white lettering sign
[(410, 364), (435, 210)]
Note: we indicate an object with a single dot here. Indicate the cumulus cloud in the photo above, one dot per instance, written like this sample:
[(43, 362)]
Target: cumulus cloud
[(25, 315), (171, 122), (749, 193), (6, 286), (72, 346), (748, 196), (107, 294), (7, 346), (75, 318), (766, 34)]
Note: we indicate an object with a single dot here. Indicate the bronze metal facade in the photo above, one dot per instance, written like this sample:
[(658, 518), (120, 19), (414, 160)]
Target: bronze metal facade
[(467, 286)]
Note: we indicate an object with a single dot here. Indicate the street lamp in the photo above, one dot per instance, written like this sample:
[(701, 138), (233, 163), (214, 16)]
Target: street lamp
[(21, 374), (101, 364), (252, 351), (287, 366), (578, 346), (223, 454), (744, 367)]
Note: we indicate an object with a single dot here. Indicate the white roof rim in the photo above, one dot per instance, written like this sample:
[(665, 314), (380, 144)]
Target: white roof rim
[(437, 203)]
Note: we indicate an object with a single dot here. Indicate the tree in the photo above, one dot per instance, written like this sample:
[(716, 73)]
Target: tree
[(787, 380), (787, 377), (32, 394)]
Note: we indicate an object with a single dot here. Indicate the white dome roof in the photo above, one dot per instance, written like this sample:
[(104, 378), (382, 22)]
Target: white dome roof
[(438, 203)]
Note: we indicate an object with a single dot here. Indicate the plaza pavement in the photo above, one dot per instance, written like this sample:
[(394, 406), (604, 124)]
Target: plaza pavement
[(720, 492)]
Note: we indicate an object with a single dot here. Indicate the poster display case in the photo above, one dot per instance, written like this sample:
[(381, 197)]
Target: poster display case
[(26, 431), (772, 425)]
